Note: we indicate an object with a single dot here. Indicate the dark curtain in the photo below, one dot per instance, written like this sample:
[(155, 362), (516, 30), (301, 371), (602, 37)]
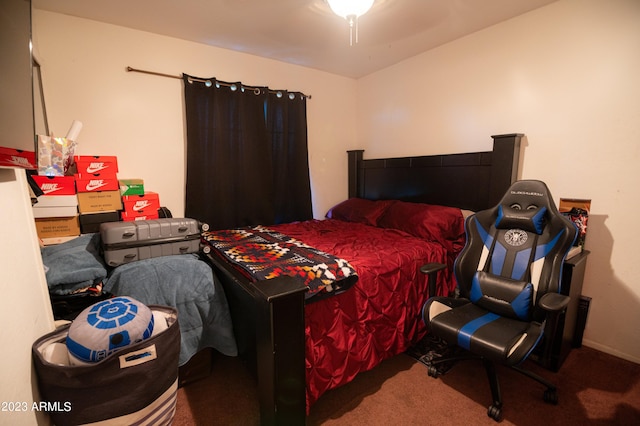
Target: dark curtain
[(287, 128), (247, 158)]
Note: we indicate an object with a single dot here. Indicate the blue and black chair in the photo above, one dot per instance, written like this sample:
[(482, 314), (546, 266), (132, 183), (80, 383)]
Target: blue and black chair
[(508, 276)]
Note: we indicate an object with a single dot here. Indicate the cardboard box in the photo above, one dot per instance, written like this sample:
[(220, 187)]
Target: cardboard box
[(57, 240), (90, 222), (10, 157), (92, 164), (101, 201), (129, 217), (56, 201), (131, 186), (55, 206), (61, 211), (56, 185), (96, 182), (58, 227), (141, 205)]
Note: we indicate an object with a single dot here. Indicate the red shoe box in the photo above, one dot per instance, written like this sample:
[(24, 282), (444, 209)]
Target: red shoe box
[(129, 217), (56, 185), (97, 182), (10, 157), (140, 205), (92, 164)]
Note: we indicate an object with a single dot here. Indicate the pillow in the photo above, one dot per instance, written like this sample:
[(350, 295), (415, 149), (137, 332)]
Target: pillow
[(503, 296), (527, 220), (359, 210), (442, 224)]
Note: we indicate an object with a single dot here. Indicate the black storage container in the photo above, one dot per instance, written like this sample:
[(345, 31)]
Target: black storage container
[(134, 385)]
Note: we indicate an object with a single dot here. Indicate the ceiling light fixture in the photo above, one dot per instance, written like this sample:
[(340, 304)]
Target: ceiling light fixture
[(351, 10)]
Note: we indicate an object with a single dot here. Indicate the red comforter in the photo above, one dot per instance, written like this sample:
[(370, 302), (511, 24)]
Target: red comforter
[(380, 316)]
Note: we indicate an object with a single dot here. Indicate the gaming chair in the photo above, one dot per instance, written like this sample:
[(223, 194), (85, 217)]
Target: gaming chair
[(508, 277)]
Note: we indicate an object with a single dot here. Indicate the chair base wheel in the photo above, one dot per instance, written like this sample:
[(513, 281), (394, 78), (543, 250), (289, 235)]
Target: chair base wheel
[(495, 412), (432, 371), (551, 396)]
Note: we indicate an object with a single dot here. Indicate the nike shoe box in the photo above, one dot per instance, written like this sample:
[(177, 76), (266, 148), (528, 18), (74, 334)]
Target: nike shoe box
[(55, 206), (138, 206), (99, 201), (56, 185), (129, 217), (11, 157), (94, 164), (96, 182)]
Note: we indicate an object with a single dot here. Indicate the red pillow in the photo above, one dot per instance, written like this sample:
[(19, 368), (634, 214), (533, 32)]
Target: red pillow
[(359, 210), (442, 224)]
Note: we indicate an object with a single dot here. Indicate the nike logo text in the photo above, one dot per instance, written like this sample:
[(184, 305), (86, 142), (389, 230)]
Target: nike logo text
[(140, 205), (95, 167), (95, 184), (48, 188)]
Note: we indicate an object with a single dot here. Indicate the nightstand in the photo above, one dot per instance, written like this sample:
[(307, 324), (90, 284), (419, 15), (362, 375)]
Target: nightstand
[(571, 323)]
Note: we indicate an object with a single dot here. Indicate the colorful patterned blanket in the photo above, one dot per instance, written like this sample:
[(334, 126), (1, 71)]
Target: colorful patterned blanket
[(265, 254)]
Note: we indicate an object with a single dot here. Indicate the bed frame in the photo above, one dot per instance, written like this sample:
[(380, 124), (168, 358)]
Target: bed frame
[(269, 320)]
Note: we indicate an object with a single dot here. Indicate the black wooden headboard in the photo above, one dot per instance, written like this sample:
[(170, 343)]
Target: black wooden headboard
[(471, 181)]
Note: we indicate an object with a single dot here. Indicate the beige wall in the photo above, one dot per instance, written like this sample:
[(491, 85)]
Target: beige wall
[(139, 117), (566, 76)]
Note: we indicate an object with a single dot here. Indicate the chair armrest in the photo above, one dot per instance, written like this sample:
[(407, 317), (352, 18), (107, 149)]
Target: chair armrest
[(553, 302), (430, 269)]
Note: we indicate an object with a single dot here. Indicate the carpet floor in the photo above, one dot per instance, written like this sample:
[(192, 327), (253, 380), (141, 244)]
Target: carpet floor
[(594, 388)]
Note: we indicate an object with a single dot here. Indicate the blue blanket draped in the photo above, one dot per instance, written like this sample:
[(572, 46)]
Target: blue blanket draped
[(183, 281)]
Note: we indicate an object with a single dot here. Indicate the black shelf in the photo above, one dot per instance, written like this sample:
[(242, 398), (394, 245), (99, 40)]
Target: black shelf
[(571, 324)]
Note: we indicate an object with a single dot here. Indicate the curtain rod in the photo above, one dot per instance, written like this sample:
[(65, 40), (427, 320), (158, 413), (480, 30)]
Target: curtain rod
[(222, 83)]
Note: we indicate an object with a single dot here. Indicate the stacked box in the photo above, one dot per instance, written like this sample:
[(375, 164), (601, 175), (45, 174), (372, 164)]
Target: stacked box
[(52, 227), (131, 187), (90, 222), (56, 185), (96, 182), (96, 164), (55, 206), (99, 201), (98, 190), (11, 157), (56, 212), (140, 207)]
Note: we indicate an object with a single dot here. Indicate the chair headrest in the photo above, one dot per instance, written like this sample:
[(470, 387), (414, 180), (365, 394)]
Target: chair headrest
[(526, 205), (531, 220), (527, 195)]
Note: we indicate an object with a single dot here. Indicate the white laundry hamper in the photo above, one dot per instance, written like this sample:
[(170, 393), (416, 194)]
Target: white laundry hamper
[(136, 384)]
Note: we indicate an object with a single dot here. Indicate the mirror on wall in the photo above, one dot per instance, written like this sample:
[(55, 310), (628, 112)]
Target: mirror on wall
[(39, 106), (17, 124)]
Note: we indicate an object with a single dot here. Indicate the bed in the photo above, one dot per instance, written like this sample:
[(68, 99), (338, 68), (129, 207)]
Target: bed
[(301, 345)]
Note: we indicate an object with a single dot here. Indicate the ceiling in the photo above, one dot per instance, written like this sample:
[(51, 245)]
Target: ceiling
[(304, 32)]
